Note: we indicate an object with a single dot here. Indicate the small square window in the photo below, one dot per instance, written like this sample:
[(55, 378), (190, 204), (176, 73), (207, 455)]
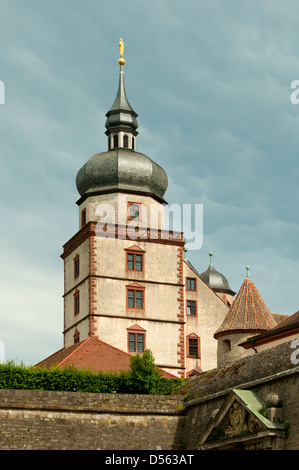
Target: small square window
[(134, 211), (134, 262), (191, 307), (191, 283), (135, 298), (136, 342)]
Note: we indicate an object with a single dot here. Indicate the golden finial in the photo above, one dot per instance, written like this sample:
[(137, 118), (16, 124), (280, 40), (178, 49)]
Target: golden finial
[(121, 60)]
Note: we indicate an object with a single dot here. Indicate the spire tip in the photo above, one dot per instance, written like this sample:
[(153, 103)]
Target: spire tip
[(121, 60)]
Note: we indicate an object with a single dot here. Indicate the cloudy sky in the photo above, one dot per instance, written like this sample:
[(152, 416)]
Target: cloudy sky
[(211, 83)]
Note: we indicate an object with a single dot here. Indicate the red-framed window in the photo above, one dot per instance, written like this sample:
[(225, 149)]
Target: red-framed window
[(136, 339), (193, 346), (134, 258), (76, 266), (134, 211), (191, 308), (191, 283), (135, 296), (134, 261), (76, 302)]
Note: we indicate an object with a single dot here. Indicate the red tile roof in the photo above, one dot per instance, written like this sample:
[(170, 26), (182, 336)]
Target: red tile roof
[(289, 321), (283, 330), (92, 354), (247, 313)]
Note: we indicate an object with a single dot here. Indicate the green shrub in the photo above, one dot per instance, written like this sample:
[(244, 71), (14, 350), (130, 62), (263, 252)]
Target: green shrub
[(143, 378)]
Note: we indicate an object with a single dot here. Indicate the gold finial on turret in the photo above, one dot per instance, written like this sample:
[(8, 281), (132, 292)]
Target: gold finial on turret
[(121, 60)]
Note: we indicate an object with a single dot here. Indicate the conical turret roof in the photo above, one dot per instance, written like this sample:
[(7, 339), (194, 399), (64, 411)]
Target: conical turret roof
[(248, 312)]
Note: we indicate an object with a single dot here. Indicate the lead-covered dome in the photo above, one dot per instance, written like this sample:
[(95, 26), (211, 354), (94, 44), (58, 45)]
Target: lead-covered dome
[(216, 280), (122, 170)]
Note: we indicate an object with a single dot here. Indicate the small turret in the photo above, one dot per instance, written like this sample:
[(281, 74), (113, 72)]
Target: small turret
[(248, 315)]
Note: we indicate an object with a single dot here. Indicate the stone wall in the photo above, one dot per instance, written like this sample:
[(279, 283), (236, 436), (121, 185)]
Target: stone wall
[(49, 420)]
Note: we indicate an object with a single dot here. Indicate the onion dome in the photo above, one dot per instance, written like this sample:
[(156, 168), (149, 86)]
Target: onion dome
[(124, 171), (121, 168), (248, 313), (216, 280)]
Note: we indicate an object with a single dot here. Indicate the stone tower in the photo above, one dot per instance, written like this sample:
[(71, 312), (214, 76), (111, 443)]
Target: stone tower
[(126, 281), (122, 270)]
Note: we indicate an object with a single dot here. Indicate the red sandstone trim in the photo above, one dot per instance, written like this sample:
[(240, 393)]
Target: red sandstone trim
[(92, 286), (121, 232), (180, 314)]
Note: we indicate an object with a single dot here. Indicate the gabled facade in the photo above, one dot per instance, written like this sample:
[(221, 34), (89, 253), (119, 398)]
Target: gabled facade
[(240, 424)]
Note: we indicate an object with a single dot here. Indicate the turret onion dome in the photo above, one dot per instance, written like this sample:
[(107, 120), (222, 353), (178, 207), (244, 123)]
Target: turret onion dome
[(121, 168), (216, 280)]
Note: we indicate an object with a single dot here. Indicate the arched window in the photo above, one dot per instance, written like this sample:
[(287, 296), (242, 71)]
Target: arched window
[(126, 141), (133, 143), (115, 141)]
